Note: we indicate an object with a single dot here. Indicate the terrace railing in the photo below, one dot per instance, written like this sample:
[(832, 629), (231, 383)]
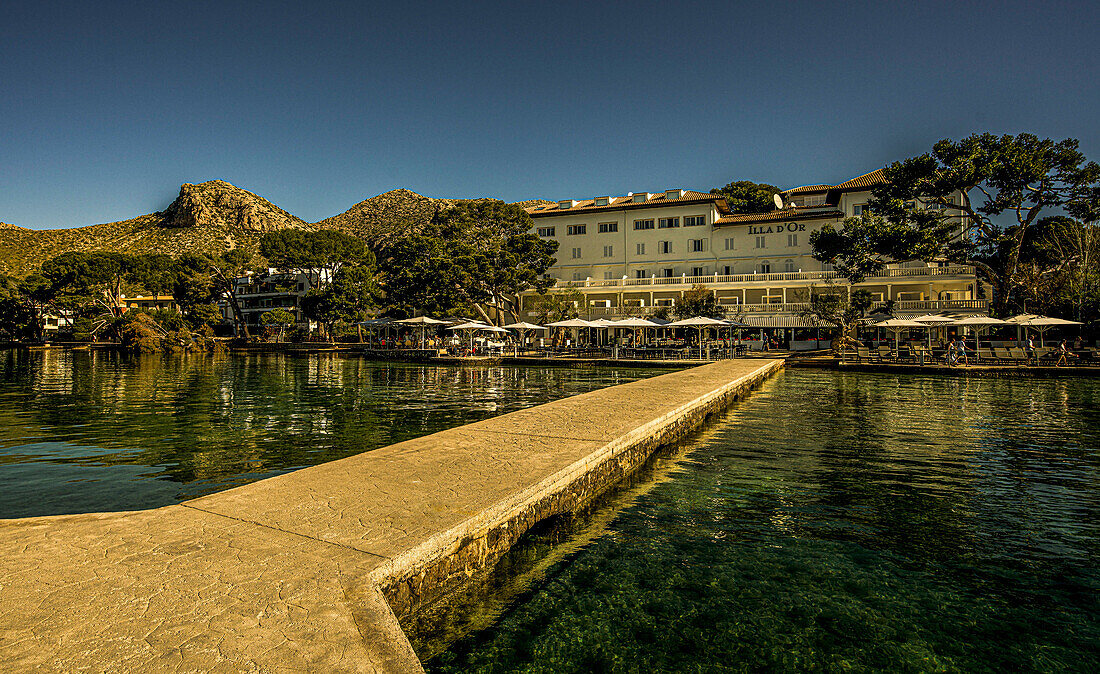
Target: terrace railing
[(717, 279)]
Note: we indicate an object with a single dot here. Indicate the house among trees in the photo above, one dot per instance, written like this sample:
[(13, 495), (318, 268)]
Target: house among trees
[(272, 289)]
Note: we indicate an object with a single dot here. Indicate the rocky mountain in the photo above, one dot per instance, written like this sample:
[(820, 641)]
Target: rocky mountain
[(210, 217), (213, 217)]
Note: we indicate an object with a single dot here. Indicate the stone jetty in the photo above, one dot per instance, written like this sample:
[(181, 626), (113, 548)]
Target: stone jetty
[(312, 570)]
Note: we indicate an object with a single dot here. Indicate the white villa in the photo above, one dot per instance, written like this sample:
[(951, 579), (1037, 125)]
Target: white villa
[(634, 253)]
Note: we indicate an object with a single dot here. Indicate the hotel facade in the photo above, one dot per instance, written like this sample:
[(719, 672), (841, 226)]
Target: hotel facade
[(632, 254)]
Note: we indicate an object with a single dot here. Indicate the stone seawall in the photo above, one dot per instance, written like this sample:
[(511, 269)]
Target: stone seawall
[(305, 571)]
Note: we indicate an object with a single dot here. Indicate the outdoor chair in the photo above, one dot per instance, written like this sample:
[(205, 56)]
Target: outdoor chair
[(987, 355), (863, 354), (1019, 355), (906, 353), (1003, 354), (885, 354)]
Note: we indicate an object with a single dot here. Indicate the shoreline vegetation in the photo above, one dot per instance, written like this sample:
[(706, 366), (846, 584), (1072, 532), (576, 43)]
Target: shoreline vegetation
[(1029, 210)]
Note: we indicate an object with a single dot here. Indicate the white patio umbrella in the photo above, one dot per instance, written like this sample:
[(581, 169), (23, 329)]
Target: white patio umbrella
[(897, 326), (698, 322), (933, 321), (473, 327), (637, 324), (980, 325), (572, 323), (422, 322), (522, 327), (1044, 323)]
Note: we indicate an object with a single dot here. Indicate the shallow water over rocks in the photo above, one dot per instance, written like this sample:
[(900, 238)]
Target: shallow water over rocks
[(830, 521)]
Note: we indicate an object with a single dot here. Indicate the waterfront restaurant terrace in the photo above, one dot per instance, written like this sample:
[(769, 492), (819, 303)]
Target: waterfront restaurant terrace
[(912, 290)]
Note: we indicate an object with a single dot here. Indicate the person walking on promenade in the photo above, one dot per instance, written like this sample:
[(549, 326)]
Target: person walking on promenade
[(950, 356), (1029, 348), (960, 352), (1077, 343), (1063, 351)]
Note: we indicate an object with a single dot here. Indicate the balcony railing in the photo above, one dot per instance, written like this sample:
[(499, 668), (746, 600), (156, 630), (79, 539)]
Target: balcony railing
[(715, 279), (731, 310)]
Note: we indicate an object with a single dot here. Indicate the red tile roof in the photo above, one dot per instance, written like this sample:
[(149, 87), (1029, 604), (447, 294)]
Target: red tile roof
[(863, 182), (618, 203), (808, 189)]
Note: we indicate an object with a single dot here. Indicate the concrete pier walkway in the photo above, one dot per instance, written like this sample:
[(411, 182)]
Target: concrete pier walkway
[(306, 571)]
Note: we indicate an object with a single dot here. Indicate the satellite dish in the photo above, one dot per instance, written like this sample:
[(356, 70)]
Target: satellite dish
[(778, 201)]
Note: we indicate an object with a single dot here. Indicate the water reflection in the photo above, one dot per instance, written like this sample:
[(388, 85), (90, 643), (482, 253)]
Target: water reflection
[(841, 521), (86, 431)]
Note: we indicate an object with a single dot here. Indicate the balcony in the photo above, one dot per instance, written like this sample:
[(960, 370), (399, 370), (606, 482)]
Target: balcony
[(734, 310), (663, 282)]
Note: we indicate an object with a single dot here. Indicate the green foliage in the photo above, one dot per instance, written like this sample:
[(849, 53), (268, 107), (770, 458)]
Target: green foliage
[(556, 305), (1015, 177), (142, 334), (277, 321), (474, 254), (300, 250), (745, 196), (699, 301), (839, 307), (17, 316)]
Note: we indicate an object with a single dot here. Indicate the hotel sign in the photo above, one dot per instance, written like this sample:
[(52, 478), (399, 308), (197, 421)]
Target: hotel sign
[(786, 227)]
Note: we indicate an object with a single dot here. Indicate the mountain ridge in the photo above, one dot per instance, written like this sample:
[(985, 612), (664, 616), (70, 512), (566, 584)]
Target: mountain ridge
[(212, 217)]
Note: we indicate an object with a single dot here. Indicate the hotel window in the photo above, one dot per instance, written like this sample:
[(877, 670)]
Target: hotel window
[(792, 240), (643, 224), (667, 273), (860, 209), (608, 251), (572, 230), (729, 244), (727, 270), (608, 275), (668, 223), (765, 267), (694, 220), (578, 276), (697, 245), (546, 231), (606, 227), (698, 271), (664, 246), (788, 266), (640, 248), (576, 253), (639, 273), (761, 242)]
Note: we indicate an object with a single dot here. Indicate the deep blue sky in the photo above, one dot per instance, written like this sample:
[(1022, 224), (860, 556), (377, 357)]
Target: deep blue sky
[(106, 107)]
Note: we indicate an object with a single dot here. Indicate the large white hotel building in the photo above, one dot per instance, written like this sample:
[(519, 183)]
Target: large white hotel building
[(631, 254)]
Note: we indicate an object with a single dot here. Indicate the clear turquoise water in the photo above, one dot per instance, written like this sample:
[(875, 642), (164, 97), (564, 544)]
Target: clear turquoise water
[(830, 522), (92, 431)]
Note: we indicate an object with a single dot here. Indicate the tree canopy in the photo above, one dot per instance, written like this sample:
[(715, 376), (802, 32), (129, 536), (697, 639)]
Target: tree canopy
[(471, 256), (745, 196), (300, 251), (699, 301), (970, 201)]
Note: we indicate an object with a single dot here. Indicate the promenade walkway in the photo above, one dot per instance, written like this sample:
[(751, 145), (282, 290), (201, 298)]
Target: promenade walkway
[(305, 571)]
